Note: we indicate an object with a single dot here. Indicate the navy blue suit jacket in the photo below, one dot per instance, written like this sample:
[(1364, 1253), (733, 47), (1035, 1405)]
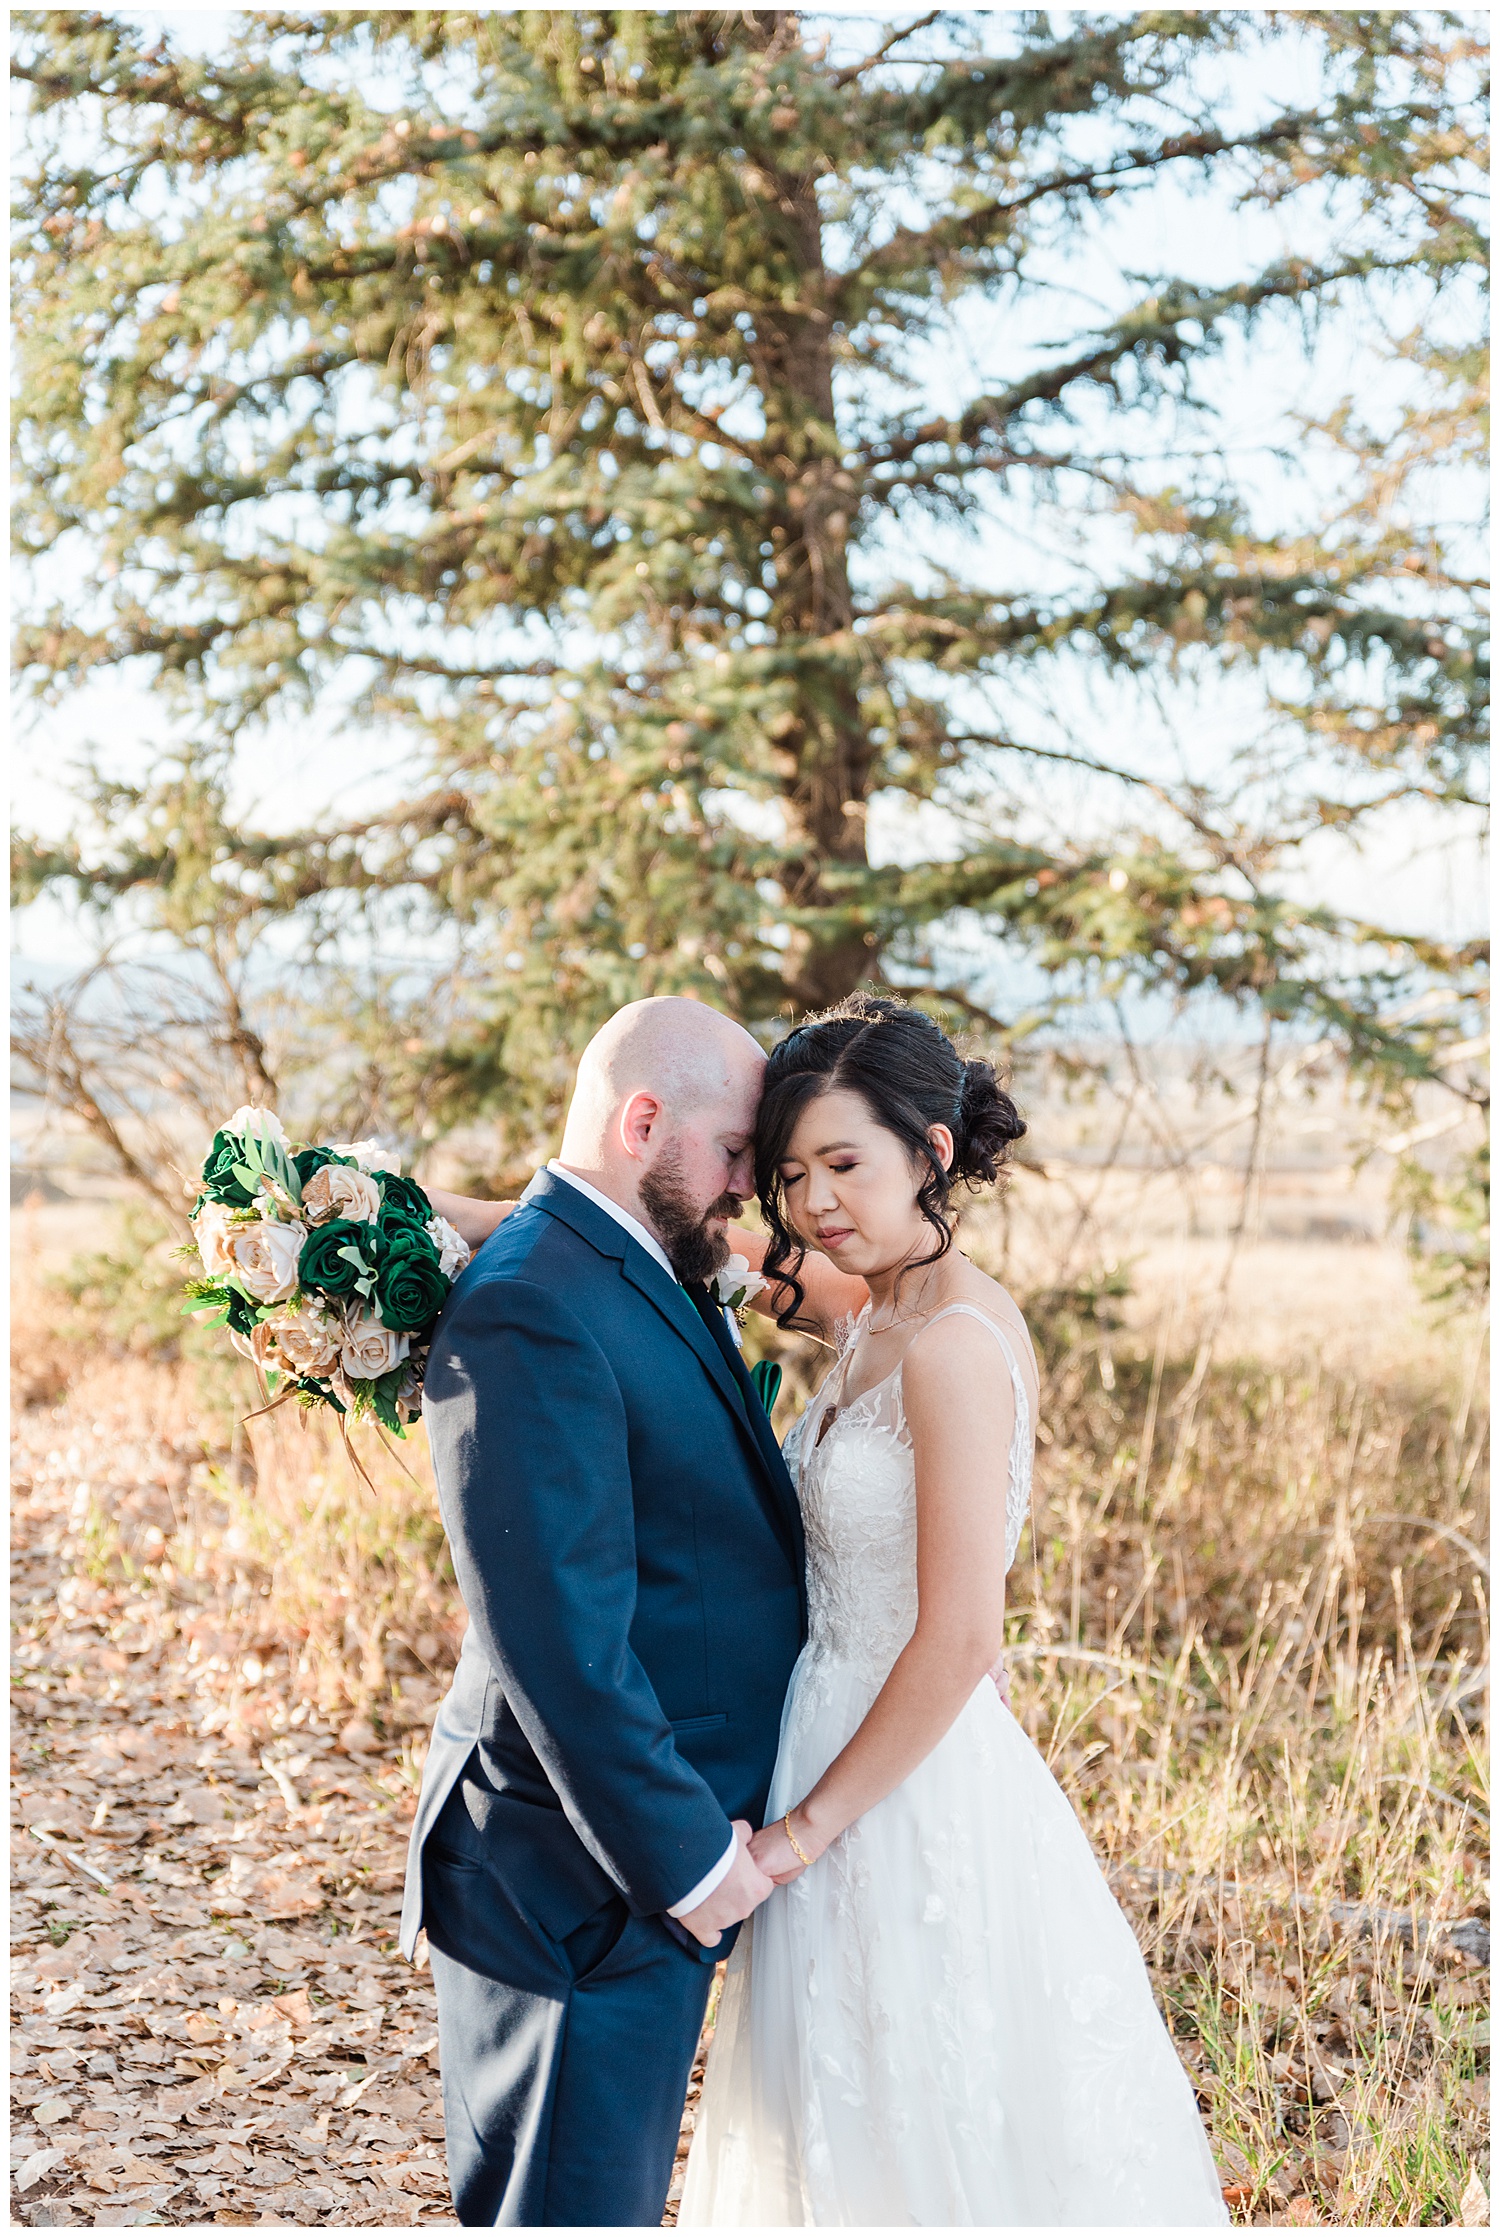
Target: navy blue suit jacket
[(629, 1549)]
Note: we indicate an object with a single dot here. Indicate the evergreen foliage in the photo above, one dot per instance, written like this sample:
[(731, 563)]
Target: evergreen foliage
[(557, 386)]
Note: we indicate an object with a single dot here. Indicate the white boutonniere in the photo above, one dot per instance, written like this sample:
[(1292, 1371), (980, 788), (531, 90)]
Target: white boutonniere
[(453, 1252), (736, 1283)]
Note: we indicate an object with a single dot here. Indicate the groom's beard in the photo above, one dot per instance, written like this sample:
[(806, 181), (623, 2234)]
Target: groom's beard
[(696, 1254)]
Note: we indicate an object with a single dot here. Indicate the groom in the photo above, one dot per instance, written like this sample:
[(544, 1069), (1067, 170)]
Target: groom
[(628, 1547)]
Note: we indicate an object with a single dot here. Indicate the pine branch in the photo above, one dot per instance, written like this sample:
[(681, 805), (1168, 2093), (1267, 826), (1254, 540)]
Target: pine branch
[(894, 39), (912, 251)]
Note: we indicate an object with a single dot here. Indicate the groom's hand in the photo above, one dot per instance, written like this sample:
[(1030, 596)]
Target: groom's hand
[(742, 1887)]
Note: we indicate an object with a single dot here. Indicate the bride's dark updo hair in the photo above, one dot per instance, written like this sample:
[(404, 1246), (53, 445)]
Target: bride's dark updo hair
[(912, 1078)]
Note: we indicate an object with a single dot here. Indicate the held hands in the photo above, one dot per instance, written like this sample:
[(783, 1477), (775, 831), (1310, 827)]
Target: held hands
[(780, 1857), (742, 1887)]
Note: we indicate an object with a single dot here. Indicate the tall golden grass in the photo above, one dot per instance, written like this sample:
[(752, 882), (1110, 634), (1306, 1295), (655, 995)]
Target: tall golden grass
[(1248, 1629)]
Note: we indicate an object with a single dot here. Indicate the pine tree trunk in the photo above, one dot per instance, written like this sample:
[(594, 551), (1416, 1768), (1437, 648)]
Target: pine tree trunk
[(824, 754)]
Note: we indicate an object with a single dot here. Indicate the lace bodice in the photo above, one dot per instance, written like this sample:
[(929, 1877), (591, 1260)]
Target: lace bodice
[(857, 1487)]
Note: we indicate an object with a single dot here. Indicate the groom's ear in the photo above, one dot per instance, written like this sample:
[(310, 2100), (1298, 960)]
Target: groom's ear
[(641, 1116)]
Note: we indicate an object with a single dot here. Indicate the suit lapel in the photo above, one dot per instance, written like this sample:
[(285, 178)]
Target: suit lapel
[(673, 1303), (713, 1344), (712, 1317)]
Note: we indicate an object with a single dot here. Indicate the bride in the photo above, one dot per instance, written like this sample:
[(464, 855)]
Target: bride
[(941, 2016)]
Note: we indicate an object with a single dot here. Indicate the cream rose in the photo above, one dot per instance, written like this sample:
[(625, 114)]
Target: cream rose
[(214, 1231), (251, 1119), (370, 1349), (368, 1155), (339, 1192), (453, 1252), (304, 1343), (265, 1257)]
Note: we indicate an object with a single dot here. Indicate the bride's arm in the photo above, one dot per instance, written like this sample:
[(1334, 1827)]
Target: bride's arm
[(829, 1295), (961, 1415), (475, 1217)]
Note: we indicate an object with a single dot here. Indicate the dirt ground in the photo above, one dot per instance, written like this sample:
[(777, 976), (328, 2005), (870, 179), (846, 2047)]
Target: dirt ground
[(211, 2021)]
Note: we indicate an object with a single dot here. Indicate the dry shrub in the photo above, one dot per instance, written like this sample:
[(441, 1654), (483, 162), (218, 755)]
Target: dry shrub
[(355, 1564), (42, 1364), (306, 1578)]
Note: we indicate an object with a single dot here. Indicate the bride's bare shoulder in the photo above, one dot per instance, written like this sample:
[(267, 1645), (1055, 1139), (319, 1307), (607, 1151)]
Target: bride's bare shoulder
[(954, 1384), (993, 1298)]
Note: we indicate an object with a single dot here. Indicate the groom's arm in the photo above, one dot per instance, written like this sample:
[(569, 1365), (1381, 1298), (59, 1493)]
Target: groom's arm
[(529, 1439)]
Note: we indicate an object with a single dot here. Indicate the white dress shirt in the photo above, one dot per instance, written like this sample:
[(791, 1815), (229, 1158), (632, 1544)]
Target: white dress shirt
[(648, 1242)]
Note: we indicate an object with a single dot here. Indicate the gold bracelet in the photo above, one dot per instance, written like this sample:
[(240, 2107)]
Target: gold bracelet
[(797, 1849)]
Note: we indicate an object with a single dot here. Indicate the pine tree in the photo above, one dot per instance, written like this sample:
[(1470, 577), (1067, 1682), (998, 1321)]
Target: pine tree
[(554, 378)]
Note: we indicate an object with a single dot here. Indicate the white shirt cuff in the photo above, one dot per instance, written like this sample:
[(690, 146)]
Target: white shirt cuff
[(709, 1881)]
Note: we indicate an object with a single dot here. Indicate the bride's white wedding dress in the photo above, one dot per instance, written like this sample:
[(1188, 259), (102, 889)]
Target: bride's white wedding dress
[(946, 2021)]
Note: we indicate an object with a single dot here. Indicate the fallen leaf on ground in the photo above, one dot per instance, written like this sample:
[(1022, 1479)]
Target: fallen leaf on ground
[(1474, 2206)]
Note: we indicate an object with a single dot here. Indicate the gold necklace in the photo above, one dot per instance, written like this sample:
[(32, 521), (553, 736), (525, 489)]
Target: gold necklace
[(901, 1320)]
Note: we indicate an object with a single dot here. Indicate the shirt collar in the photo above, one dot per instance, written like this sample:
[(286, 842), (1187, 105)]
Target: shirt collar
[(643, 1235)]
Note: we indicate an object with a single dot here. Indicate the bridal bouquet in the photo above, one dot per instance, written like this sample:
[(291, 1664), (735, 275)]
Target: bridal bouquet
[(327, 1271)]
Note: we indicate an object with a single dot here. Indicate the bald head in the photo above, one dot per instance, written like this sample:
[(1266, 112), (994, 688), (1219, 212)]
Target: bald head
[(665, 1098), (687, 1056)]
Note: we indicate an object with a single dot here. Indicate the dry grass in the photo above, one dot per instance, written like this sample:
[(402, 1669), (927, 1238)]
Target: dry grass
[(1262, 1687), (1249, 1627)]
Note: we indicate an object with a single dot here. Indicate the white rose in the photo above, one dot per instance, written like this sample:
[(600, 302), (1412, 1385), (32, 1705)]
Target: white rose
[(453, 1252), (367, 1155), (214, 1233), (304, 1343), (339, 1192), (251, 1119), (735, 1283), (265, 1256), (369, 1348)]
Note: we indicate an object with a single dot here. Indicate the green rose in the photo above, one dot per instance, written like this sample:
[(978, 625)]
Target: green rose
[(402, 1202), (410, 1285), (242, 1314), (322, 1265), (219, 1183), (309, 1162)]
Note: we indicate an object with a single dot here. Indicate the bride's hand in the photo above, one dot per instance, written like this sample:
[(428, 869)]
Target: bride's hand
[(475, 1217), (773, 1851)]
